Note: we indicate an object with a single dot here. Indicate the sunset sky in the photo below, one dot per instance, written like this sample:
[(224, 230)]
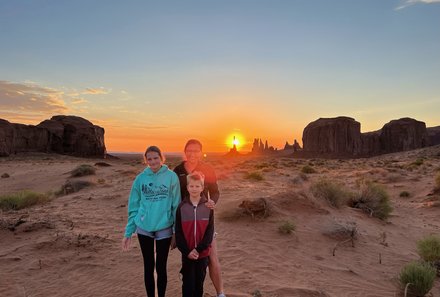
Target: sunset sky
[(161, 72)]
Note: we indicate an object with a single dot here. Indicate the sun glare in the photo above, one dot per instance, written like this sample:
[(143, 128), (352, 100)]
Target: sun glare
[(236, 139)]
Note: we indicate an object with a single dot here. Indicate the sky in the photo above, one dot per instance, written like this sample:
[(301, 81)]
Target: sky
[(162, 72)]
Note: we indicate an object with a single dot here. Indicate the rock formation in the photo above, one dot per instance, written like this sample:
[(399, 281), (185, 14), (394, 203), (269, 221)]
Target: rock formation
[(341, 136), (258, 148), (61, 134), (434, 135), (295, 146)]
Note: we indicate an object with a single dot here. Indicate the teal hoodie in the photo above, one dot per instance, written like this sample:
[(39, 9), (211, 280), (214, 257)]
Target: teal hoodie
[(153, 201)]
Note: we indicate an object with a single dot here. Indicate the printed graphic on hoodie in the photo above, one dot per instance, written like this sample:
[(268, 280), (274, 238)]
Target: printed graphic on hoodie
[(154, 192)]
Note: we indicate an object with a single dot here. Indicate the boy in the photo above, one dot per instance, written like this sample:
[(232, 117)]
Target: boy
[(194, 231)]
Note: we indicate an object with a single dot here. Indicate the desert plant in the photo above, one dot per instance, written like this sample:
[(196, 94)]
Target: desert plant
[(5, 175), (254, 176), (83, 170), (286, 227), (73, 186), (428, 248), (21, 200), (334, 193), (374, 199), (257, 293), (404, 194), (417, 278), (308, 169), (417, 162)]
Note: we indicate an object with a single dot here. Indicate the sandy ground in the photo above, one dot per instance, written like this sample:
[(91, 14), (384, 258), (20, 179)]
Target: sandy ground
[(71, 245)]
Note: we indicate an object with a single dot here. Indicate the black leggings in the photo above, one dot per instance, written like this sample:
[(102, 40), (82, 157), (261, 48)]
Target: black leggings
[(162, 249)]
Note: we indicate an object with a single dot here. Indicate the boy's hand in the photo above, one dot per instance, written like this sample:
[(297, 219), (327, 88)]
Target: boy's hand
[(193, 255), (210, 204)]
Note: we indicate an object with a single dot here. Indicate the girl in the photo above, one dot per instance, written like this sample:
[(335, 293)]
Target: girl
[(152, 205)]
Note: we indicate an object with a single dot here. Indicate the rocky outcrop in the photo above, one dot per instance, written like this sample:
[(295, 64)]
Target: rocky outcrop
[(339, 136), (61, 134), (403, 135), (258, 148), (295, 146), (434, 135)]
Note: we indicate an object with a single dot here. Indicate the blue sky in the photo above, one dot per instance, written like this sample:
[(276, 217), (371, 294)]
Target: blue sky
[(167, 70)]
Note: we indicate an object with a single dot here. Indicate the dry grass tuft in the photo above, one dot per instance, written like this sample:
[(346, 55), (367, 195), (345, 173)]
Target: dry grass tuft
[(22, 199), (417, 278), (334, 193), (83, 170), (374, 199)]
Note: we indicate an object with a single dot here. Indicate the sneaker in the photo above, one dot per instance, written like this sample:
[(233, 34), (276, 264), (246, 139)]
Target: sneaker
[(221, 295)]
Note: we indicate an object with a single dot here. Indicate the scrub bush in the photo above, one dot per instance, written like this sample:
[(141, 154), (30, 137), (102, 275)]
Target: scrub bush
[(429, 248), (418, 278), (21, 200), (334, 193), (83, 170), (374, 199)]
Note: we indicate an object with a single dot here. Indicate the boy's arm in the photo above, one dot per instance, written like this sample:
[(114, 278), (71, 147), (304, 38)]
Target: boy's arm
[(133, 208), (180, 237), (209, 234)]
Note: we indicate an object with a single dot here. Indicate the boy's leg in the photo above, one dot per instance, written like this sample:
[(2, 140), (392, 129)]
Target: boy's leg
[(188, 277), (162, 250), (200, 274), (147, 248), (214, 268)]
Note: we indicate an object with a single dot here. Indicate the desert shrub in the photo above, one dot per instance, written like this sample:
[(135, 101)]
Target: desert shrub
[(334, 193), (419, 276), (341, 230), (286, 227), (308, 169), (254, 176), (73, 186), (404, 194), (429, 248), (417, 162), (374, 199), (257, 293), (21, 200), (102, 164), (83, 170), (5, 175)]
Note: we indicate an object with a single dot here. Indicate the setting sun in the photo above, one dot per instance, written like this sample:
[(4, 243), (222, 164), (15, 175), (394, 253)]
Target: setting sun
[(235, 139)]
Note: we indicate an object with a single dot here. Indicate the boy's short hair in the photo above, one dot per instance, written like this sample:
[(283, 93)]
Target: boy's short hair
[(196, 176)]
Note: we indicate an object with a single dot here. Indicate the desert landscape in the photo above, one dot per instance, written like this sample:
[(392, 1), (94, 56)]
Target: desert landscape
[(299, 244)]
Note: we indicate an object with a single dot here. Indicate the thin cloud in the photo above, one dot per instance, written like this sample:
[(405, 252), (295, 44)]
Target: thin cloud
[(30, 97), (78, 101), (407, 3), (98, 91)]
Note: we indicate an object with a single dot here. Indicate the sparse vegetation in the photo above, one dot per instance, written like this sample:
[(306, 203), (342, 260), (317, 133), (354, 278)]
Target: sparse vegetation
[(334, 193), (257, 176), (417, 278), (429, 248), (417, 162), (308, 169), (73, 186), (5, 175), (286, 227), (21, 200), (257, 293), (404, 194), (83, 170), (374, 199)]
